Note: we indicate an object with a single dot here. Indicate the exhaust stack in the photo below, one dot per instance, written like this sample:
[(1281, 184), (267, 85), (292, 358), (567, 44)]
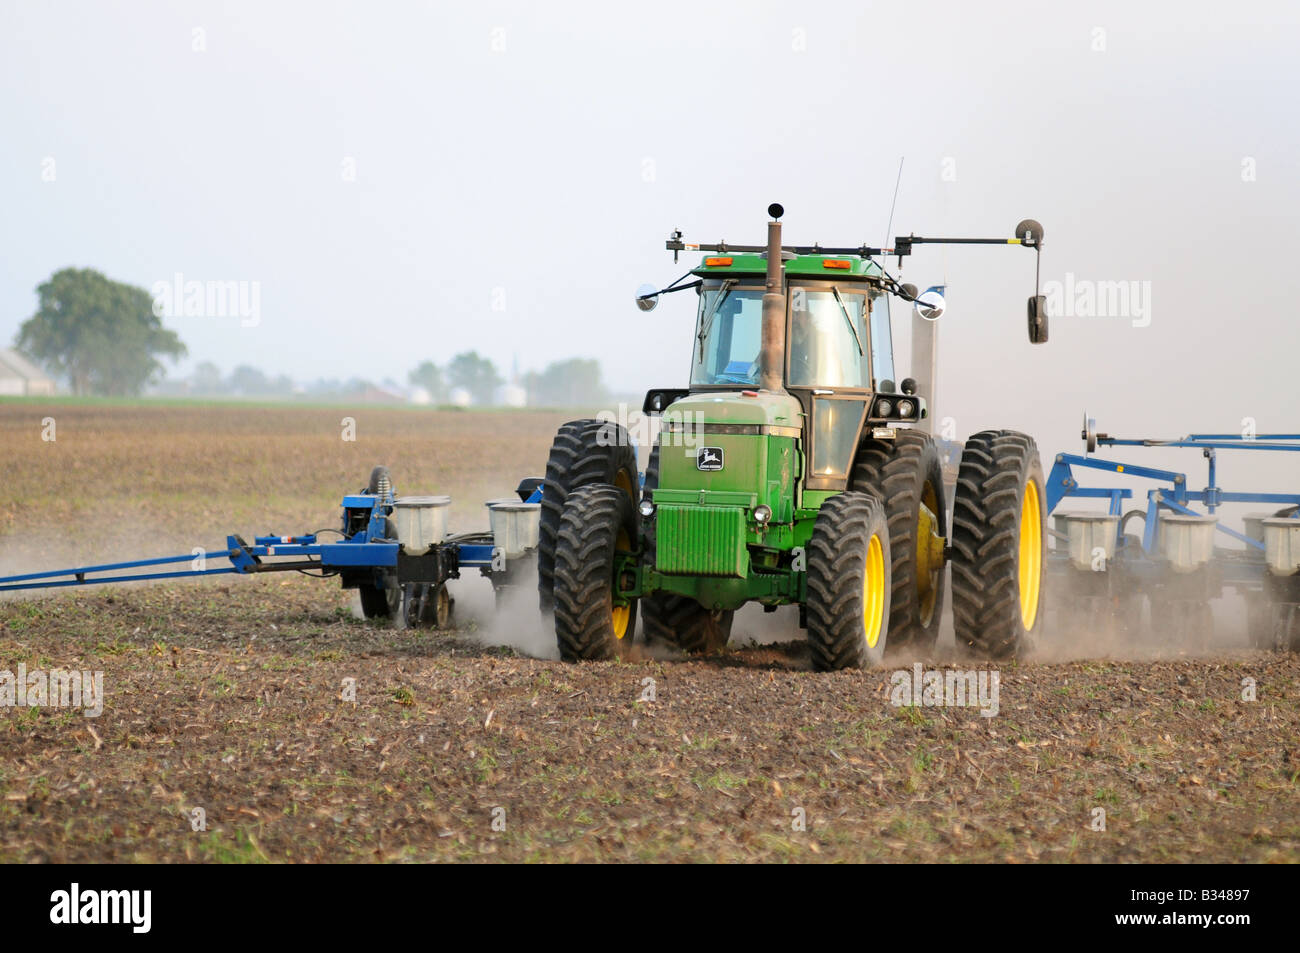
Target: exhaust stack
[(771, 360)]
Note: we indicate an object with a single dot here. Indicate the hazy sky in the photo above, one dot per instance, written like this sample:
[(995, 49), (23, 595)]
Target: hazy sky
[(518, 166)]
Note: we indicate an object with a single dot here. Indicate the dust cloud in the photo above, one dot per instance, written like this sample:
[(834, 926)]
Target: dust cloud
[(47, 552), (1073, 632), (510, 618)]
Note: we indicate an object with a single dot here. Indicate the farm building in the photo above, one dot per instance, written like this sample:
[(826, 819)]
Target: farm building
[(19, 377)]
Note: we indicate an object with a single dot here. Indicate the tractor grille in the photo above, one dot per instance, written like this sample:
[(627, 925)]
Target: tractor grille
[(701, 541)]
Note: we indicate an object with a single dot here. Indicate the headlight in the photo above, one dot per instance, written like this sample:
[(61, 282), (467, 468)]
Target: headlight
[(905, 408), (762, 513), (647, 508), (884, 408)]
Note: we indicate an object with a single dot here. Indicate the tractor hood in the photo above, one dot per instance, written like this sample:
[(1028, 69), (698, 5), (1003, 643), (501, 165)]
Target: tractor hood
[(727, 449), (735, 409)]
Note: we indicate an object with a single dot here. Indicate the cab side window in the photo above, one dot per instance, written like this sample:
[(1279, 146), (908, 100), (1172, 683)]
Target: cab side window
[(882, 343)]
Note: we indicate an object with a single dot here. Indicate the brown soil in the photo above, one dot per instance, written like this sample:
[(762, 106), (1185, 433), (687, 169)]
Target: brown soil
[(225, 695)]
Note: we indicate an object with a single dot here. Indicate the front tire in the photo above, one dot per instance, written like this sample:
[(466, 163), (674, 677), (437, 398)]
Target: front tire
[(847, 603), (584, 453), (907, 474), (999, 541), (598, 522)]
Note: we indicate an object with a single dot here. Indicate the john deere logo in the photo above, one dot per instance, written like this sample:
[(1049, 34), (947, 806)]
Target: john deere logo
[(709, 458)]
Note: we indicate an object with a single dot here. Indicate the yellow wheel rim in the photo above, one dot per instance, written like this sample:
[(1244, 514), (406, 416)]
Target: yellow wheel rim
[(929, 554), (619, 615), (1031, 554), (625, 483), (873, 591)]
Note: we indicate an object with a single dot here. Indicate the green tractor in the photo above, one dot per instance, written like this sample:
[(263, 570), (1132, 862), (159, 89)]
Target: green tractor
[(795, 470)]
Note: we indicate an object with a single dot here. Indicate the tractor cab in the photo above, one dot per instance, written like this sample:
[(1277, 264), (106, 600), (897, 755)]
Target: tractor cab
[(837, 324), (838, 351)]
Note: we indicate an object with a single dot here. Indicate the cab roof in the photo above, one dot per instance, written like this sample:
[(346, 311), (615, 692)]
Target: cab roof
[(819, 266)]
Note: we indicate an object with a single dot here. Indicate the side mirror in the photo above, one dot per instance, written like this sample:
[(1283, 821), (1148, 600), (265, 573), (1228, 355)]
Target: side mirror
[(929, 306), (658, 400), (1038, 319), (647, 297)]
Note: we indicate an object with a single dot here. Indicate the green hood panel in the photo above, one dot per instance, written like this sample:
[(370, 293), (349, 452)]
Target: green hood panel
[(756, 469), (730, 407)]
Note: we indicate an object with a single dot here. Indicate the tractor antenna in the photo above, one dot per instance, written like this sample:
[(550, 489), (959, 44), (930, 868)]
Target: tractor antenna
[(889, 229)]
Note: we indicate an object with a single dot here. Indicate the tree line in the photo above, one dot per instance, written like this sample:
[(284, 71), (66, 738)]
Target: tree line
[(105, 338), (572, 382)]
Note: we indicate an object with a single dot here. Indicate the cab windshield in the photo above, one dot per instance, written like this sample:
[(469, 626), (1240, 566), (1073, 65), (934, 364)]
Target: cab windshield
[(728, 334), (829, 344), (834, 339)]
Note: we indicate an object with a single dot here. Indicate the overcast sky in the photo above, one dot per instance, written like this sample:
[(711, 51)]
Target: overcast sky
[(405, 181)]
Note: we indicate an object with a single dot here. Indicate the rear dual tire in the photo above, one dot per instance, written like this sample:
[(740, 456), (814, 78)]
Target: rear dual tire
[(999, 545), (906, 473)]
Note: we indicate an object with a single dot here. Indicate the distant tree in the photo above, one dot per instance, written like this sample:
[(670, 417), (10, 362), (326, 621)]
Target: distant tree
[(476, 374), (249, 381), (206, 379), (429, 376), (572, 383), (101, 335), (324, 386)]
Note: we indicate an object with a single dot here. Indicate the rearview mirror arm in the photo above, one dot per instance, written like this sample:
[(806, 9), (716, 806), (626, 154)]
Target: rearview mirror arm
[(672, 287)]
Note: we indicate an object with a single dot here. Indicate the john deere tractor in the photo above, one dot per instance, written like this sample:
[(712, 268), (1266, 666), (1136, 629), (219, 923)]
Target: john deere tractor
[(795, 469)]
